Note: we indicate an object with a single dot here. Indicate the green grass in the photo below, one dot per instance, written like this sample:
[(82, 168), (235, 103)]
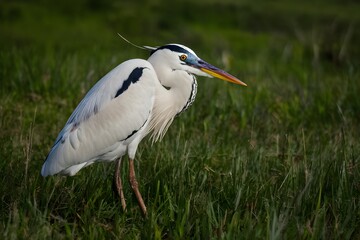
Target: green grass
[(276, 160)]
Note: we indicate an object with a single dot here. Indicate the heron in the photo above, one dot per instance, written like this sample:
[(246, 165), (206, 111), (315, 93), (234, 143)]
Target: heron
[(136, 98)]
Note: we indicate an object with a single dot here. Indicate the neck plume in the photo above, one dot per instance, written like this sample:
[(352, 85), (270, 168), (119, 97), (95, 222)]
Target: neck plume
[(171, 101)]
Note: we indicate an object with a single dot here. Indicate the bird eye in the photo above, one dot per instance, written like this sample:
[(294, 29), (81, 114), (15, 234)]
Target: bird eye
[(183, 57)]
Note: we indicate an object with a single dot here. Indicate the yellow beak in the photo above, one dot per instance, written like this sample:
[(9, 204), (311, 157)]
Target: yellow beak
[(216, 72)]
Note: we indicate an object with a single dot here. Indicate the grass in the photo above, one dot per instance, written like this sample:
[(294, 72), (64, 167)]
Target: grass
[(276, 160)]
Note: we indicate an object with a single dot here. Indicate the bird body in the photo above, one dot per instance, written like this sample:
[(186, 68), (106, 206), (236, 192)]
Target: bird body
[(105, 125), (134, 99)]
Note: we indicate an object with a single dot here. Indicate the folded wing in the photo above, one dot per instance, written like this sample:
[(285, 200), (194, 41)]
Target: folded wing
[(111, 115)]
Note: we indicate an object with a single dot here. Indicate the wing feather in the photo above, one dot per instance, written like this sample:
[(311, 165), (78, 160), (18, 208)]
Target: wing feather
[(104, 122)]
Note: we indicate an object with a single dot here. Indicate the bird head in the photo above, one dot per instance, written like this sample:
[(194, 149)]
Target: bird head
[(180, 57)]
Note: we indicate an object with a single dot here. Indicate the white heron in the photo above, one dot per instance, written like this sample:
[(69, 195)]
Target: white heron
[(136, 98)]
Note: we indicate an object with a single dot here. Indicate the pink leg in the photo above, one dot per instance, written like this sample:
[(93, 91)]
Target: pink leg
[(118, 184), (134, 186)]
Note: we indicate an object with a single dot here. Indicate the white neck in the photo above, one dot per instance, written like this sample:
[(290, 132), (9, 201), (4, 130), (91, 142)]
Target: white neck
[(173, 91)]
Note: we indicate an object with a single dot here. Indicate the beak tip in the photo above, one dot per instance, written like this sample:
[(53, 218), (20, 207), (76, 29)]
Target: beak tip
[(239, 82), (220, 74)]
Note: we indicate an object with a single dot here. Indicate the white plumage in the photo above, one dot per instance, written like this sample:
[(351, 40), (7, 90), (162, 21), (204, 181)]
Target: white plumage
[(99, 127), (135, 98)]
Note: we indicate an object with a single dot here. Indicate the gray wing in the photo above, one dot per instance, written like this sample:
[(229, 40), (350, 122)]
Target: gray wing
[(101, 126)]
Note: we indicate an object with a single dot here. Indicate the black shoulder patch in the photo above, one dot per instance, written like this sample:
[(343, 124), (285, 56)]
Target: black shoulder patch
[(133, 78)]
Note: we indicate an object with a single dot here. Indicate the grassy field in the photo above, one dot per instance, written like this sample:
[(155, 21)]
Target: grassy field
[(276, 160)]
